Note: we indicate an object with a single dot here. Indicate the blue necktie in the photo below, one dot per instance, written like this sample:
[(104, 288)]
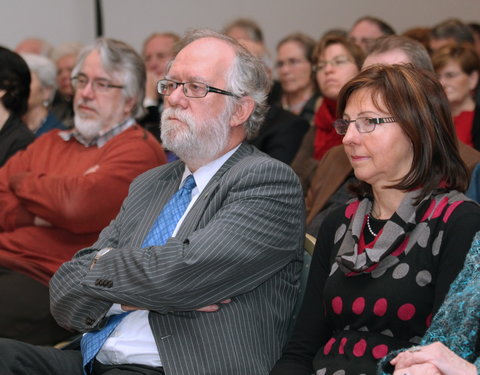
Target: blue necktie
[(160, 232)]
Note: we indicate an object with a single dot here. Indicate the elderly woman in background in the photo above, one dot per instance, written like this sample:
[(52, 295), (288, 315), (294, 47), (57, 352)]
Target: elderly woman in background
[(336, 60), (64, 57), (383, 262), (452, 343), (39, 118), (299, 92), (458, 68), (14, 92)]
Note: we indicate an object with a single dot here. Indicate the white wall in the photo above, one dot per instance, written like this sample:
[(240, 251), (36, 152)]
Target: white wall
[(132, 20)]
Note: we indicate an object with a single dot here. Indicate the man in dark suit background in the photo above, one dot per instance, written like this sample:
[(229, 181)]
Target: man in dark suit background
[(239, 241)]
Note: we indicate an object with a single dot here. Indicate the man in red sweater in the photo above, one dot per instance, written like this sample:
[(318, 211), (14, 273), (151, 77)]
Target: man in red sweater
[(58, 194)]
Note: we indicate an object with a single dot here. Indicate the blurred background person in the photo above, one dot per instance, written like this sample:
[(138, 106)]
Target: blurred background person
[(244, 28), (475, 27), (366, 29), (420, 34), (64, 57), (158, 49), (299, 92), (450, 31), (39, 118), (36, 46), (457, 67), (14, 92), (383, 262)]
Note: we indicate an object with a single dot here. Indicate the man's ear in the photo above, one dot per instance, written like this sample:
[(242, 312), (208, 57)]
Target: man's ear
[(243, 110), (129, 104)]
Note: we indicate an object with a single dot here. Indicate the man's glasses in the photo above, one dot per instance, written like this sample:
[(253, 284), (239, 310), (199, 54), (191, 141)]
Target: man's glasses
[(98, 84), (190, 89), (336, 61), (363, 124)]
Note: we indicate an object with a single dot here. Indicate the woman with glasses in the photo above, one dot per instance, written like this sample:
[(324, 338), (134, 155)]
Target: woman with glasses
[(294, 70), (383, 262), (458, 67), (336, 61)]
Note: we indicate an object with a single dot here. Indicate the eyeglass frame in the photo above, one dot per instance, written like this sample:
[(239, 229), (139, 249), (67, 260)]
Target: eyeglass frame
[(98, 84), (335, 62), (371, 121), (208, 88), (290, 62)]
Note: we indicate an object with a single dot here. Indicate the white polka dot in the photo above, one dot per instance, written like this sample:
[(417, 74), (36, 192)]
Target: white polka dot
[(339, 372), (363, 329), (415, 340), (322, 371), (400, 271), (340, 233), (387, 332), (424, 278), (424, 235), (437, 243)]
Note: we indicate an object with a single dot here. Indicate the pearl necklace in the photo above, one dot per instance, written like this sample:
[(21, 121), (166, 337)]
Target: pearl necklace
[(370, 228)]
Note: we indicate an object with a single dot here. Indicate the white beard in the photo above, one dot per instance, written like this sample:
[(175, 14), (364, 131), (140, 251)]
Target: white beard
[(88, 128), (195, 142)]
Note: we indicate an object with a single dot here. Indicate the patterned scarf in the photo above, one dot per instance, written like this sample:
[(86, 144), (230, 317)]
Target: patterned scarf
[(408, 226)]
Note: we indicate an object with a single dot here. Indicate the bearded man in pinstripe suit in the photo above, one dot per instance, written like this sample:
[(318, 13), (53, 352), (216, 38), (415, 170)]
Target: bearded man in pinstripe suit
[(216, 298)]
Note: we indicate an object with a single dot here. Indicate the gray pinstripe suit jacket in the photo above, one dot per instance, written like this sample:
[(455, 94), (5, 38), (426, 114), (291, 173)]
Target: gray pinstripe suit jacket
[(243, 238)]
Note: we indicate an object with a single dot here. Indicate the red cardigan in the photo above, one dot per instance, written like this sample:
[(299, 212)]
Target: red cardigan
[(77, 189)]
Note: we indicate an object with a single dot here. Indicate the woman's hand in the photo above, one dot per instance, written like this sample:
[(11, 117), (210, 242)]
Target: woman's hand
[(433, 359)]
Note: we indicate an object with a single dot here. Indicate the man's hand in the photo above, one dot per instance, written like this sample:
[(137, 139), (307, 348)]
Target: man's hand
[(214, 307)]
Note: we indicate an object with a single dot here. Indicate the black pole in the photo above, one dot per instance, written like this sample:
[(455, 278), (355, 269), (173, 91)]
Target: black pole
[(99, 18)]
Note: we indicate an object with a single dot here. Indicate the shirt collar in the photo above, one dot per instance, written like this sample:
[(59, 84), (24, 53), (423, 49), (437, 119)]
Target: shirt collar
[(204, 174), (102, 138)]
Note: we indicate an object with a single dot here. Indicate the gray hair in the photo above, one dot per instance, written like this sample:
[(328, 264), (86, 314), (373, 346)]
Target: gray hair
[(247, 77), (44, 69), (68, 48), (122, 62)]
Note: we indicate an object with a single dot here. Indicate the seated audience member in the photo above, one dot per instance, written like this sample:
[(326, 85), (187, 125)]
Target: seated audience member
[(367, 29), (384, 261), (451, 346), (450, 31), (39, 118), (35, 46), (299, 92), (457, 67), (158, 49), (420, 34), (244, 29), (336, 60), (14, 92), (65, 187), (64, 57), (161, 288), (334, 172), (281, 133), (475, 27)]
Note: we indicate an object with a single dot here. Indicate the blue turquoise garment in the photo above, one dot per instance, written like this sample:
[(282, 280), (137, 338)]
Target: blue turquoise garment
[(50, 123), (457, 322)]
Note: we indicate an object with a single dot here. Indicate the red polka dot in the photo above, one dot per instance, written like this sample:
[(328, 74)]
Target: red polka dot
[(351, 209), (359, 348), (428, 320), (379, 351), (328, 346), (380, 307), (358, 305), (406, 311), (337, 305), (341, 347), (450, 210)]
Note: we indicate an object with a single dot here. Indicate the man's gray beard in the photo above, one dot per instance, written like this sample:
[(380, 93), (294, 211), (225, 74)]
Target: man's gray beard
[(89, 129), (195, 142)]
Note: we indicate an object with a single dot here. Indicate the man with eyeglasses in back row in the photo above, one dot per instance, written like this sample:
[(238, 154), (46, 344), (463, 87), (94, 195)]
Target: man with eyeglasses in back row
[(198, 273), (58, 194)]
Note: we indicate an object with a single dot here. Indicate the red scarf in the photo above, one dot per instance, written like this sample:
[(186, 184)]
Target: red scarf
[(325, 135)]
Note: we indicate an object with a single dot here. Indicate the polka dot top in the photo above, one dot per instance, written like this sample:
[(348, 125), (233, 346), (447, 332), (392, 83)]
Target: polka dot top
[(348, 323)]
